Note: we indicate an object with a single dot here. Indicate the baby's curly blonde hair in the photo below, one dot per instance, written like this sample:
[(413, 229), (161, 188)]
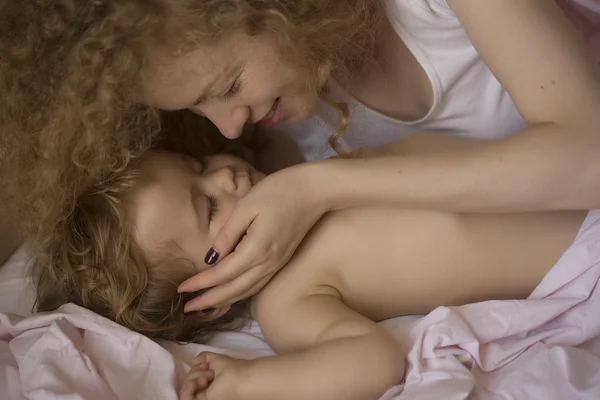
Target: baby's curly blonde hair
[(70, 73), (96, 262)]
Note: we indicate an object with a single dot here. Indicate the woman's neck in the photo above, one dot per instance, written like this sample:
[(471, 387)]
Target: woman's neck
[(394, 83)]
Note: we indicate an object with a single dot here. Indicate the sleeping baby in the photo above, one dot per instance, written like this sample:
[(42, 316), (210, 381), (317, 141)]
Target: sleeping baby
[(134, 238)]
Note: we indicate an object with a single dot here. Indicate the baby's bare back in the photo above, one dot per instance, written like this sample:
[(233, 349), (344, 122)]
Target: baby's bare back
[(391, 262)]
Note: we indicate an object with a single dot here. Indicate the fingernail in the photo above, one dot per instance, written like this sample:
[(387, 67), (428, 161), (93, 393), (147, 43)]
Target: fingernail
[(188, 309), (211, 257), (194, 310)]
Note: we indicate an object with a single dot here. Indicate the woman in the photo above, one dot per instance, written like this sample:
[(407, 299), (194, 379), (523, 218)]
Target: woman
[(87, 66)]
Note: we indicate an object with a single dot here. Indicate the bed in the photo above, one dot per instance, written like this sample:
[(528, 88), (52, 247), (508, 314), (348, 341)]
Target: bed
[(525, 349)]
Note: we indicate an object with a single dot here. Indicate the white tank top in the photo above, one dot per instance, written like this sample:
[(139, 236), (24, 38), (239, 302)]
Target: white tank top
[(468, 100)]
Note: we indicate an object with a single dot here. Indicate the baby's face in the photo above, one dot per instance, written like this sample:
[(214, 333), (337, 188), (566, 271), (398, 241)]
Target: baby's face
[(181, 203)]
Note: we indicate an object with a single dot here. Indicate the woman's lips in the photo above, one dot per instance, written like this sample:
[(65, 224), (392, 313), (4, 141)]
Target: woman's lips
[(274, 116)]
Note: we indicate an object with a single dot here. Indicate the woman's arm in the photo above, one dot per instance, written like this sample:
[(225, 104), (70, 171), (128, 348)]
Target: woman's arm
[(537, 56), (422, 143), (532, 49)]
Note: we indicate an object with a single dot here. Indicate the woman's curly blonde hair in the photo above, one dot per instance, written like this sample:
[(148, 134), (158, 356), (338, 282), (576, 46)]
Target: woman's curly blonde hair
[(96, 262), (69, 82)]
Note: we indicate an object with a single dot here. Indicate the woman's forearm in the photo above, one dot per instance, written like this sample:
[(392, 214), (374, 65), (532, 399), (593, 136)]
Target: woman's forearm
[(545, 167), (361, 368)]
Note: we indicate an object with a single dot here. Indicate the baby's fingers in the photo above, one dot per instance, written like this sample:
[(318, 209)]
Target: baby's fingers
[(199, 360), (197, 381)]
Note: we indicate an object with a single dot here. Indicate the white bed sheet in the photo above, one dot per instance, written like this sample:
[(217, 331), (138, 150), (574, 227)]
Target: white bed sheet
[(16, 292)]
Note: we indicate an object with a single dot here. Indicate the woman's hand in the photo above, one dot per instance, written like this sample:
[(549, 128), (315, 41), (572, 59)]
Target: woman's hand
[(265, 229)]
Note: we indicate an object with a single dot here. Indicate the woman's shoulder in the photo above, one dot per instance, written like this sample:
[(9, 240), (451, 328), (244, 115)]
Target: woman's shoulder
[(419, 12)]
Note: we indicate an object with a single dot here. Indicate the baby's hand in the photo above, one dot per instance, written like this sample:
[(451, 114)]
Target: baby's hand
[(213, 376), (196, 383)]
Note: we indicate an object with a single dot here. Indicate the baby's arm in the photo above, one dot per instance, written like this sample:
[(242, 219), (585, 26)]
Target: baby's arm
[(327, 352)]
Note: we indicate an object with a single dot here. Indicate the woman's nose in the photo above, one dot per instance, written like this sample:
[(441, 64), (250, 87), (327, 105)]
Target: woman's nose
[(229, 120)]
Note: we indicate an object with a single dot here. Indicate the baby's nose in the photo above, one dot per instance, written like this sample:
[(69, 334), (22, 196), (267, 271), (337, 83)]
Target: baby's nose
[(225, 179)]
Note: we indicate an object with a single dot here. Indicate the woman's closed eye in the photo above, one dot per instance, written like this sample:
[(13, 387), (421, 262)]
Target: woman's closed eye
[(235, 88)]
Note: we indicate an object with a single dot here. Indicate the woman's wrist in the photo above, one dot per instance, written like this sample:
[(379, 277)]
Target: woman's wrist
[(328, 184), (382, 181)]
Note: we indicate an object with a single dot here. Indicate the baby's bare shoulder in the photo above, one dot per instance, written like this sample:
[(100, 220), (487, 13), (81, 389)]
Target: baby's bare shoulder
[(312, 269)]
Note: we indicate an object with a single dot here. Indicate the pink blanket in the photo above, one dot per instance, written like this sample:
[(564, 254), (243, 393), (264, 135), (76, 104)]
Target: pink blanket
[(76, 354), (585, 16)]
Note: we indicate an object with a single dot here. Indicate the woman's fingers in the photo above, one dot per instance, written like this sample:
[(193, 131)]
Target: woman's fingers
[(227, 293), (230, 234), (253, 290), (231, 267), (249, 254)]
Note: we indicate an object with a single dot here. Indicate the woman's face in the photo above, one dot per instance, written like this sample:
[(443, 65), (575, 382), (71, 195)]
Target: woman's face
[(241, 80), (181, 203)]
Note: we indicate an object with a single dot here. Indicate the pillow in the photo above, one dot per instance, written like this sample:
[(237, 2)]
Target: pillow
[(17, 294)]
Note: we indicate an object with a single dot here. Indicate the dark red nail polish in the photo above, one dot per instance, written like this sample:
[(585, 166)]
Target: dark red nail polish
[(211, 257)]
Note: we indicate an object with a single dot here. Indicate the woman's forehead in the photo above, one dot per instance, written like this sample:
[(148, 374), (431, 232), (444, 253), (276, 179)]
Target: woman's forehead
[(206, 61), (175, 82)]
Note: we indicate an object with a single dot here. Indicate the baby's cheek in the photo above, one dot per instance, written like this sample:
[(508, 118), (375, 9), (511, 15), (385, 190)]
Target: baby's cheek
[(215, 226), (224, 212)]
